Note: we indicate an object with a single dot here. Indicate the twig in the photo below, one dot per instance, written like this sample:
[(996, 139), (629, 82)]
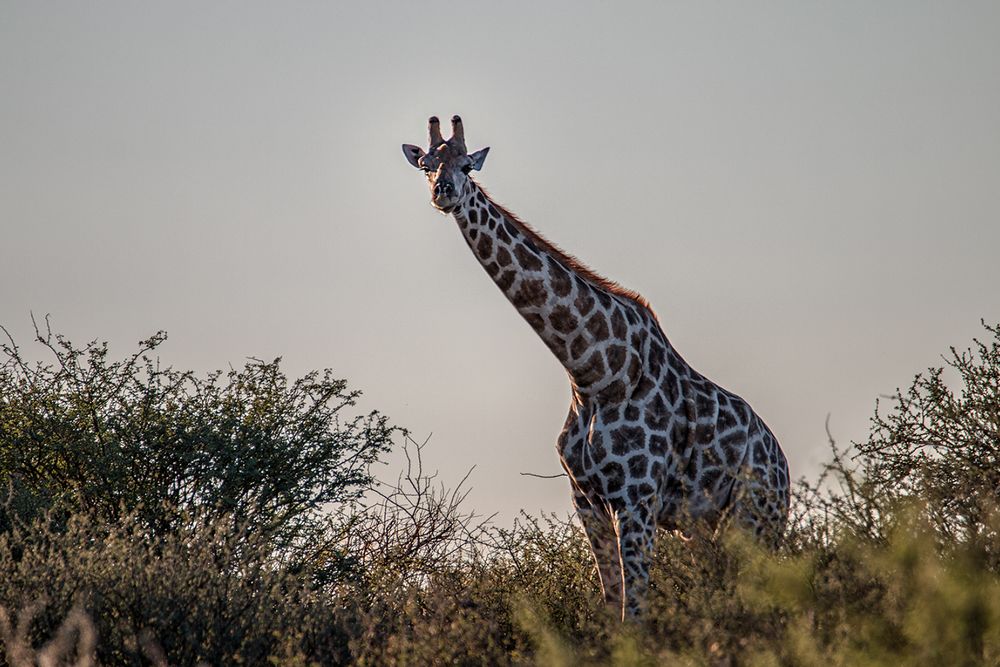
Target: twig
[(534, 474)]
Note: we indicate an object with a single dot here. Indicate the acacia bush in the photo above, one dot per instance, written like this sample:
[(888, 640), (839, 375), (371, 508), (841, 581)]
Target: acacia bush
[(936, 447), (942, 446), (113, 438), (207, 593), (889, 559)]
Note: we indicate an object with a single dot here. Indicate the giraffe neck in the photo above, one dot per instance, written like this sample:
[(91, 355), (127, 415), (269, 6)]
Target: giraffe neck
[(595, 328)]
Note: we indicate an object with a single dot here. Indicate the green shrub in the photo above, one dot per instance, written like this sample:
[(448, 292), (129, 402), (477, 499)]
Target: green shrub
[(210, 592), (112, 438), (936, 448), (941, 446), (881, 565)]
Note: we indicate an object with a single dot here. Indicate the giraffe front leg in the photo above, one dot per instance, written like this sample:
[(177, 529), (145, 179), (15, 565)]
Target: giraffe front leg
[(604, 545), (636, 531), (759, 510)]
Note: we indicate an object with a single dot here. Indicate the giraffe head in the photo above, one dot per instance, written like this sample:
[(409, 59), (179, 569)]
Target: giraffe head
[(447, 164)]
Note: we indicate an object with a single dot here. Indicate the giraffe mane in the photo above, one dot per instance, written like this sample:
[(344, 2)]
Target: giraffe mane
[(568, 260)]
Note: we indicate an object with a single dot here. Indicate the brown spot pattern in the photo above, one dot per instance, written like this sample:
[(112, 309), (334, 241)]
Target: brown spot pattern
[(485, 247), (584, 302), (616, 358), (506, 279), (561, 283), (503, 256), (592, 370), (503, 234), (536, 321), (614, 392), (529, 261), (597, 326), (618, 325), (563, 320), (531, 293)]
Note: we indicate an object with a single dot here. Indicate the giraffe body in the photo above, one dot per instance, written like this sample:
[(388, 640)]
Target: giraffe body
[(649, 442)]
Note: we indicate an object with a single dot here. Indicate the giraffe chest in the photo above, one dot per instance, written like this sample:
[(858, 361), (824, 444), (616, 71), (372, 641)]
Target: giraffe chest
[(678, 450), (613, 455)]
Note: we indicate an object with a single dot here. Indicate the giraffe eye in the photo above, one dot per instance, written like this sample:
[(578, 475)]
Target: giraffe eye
[(466, 169)]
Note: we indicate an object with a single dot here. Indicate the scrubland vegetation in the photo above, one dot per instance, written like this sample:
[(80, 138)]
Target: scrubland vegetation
[(152, 516)]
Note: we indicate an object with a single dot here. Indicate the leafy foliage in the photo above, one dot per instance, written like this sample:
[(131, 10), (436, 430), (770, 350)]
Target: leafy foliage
[(882, 565), (113, 438), (935, 447), (943, 446), (204, 594)]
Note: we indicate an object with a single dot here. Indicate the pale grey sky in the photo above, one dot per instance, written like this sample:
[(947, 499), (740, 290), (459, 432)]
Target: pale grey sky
[(808, 193)]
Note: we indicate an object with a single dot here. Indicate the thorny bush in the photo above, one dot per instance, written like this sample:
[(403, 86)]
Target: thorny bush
[(890, 559)]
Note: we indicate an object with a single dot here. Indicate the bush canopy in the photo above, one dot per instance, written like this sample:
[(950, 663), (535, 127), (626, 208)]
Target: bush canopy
[(84, 432), (890, 558)]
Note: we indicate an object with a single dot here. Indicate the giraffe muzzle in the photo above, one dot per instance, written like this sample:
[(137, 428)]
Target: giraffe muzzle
[(443, 189), (445, 196)]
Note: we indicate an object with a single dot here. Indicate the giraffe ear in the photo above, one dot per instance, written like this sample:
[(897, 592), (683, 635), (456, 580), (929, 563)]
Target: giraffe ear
[(479, 157), (413, 154)]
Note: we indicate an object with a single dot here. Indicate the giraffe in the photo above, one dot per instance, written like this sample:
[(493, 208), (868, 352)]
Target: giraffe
[(649, 442)]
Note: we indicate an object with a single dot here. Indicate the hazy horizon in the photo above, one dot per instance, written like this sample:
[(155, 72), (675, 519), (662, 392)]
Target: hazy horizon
[(808, 195)]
